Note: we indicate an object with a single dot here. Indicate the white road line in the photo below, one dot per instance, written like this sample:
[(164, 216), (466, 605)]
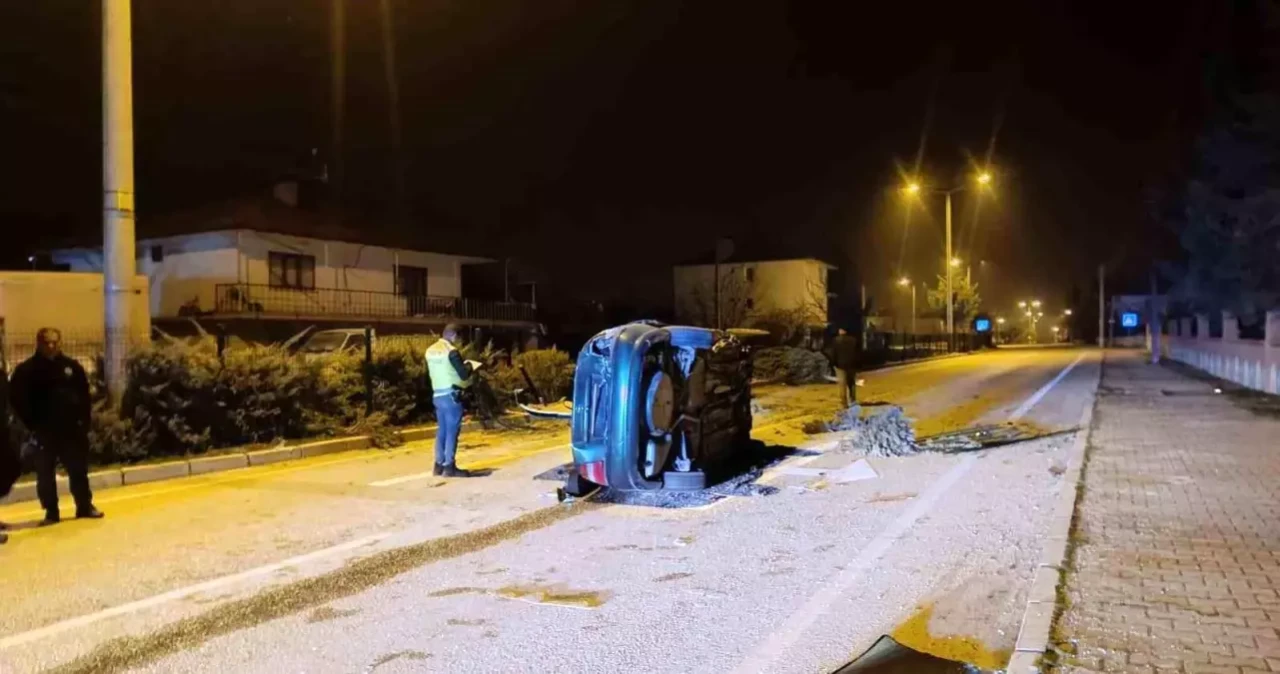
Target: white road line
[(762, 659), (1035, 397), (181, 593), (402, 479)]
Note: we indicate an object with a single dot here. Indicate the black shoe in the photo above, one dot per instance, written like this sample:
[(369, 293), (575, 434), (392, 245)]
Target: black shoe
[(4, 526), (452, 470), (4, 538), (51, 517), (90, 513), (438, 470)]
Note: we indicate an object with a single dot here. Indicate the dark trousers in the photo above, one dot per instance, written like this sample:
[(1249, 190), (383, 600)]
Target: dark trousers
[(10, 467), (73, 452), (847, 379)]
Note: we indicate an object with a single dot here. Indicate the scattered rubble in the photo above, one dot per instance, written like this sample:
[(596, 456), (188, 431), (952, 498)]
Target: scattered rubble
[(885, 432), (740, 485)]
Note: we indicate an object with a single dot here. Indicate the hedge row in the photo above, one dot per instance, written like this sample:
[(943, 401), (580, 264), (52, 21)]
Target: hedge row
[(185, 400)]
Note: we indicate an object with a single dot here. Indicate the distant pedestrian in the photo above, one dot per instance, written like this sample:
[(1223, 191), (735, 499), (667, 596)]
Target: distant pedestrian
[(50, 394), (844, 358), (449, 375), (10, 462)]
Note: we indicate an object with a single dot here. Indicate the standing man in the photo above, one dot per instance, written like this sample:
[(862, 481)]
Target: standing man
[(51, 396), (449, 375), (844, 357)]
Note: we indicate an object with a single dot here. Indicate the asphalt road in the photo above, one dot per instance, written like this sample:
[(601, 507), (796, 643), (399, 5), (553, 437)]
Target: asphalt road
[(363, 561)]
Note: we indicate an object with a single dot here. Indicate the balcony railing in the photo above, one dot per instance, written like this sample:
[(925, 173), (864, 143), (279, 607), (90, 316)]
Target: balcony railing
[(265, 300)]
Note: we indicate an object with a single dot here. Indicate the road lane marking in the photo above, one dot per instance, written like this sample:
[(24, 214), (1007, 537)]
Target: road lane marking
[(181, 593), (1044, 390), (798, 624), (403, 478)]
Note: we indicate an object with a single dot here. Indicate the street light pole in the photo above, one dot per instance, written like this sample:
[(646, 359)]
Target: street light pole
[(913, 308), (118, 263), (947, 262)]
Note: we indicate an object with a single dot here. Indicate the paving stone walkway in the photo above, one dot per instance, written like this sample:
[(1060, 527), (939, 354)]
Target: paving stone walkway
[(1176, 564)]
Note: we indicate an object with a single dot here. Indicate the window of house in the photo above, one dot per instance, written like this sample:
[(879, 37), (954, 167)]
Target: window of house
[(750, 274), (751, 304), (289, 270), (157, 254)]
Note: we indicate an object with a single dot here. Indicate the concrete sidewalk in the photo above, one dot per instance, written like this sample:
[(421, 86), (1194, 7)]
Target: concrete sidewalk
[(1175, 562)]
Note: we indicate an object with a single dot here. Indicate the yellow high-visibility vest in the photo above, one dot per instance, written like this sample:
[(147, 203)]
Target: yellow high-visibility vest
[(444, 378)]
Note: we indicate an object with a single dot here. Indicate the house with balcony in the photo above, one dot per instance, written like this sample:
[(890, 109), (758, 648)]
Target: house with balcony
[(268, 266)]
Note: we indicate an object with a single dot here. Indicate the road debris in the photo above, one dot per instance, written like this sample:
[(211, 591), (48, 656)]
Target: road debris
[(740, 485)]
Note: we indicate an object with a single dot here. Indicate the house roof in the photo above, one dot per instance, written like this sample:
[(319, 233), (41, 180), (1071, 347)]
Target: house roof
[(267, 214), (744, 259)]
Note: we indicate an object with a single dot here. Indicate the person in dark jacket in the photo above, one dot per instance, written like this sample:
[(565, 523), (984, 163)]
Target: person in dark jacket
[(51, 396), (10, 462), (844, 357)]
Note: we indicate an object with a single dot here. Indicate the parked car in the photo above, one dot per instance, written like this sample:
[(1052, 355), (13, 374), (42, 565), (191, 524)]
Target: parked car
[(324, 343)]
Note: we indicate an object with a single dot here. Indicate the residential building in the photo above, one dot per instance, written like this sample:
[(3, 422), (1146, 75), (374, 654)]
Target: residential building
[(271, 260), (751, 291)]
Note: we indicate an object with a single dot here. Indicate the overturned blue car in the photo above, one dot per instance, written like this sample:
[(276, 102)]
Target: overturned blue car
[(656, 407)]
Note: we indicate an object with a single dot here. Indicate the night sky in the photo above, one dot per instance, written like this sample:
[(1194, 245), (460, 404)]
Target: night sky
[(605, 140)]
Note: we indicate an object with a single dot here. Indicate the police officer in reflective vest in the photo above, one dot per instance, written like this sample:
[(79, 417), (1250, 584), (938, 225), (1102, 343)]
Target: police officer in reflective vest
[(449, 375)]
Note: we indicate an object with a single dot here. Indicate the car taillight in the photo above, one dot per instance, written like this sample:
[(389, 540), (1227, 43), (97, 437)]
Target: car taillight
[(594, 471)]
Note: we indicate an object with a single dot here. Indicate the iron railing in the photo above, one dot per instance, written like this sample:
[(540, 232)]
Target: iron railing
[(266, 300), (895, 347)]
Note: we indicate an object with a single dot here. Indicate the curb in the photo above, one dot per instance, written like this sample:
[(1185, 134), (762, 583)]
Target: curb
[(1042, 600), (172, 470)]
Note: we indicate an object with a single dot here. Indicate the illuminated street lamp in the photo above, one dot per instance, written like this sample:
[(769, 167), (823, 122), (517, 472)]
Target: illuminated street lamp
[(1022, 304), (1035, 303), (955, 262), (913, 188), (1067, 312)]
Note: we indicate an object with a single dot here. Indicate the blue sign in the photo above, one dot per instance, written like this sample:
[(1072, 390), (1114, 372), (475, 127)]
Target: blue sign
[(982, 325), (1129, 319)]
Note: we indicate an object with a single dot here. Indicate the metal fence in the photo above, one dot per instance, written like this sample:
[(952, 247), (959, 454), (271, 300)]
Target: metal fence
[(244, 298), (895, 347)]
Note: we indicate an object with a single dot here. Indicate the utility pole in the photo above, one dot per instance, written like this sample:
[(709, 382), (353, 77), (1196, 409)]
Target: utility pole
[(1102, 306), (118, 250), (1154, 324), (337, 90)]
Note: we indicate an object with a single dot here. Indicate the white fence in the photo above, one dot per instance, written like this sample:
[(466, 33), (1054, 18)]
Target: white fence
[(1252, 363)]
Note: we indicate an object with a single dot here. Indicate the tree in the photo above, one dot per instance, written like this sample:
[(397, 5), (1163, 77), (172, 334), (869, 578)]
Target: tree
[(1230, 226), (736, 304), (967, 299), (1227, 215)]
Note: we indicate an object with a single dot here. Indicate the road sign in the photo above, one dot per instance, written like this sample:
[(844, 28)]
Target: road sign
[(1129, 319), (982, 325)]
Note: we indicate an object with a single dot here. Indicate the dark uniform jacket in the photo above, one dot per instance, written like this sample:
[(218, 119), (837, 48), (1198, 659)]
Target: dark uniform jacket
[(844, 352), (10, 463), (51, 396)]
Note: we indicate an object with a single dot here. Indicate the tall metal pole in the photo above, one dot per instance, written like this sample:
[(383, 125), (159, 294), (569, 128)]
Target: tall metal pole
[(337, 91), (1102, 306), (913, 308), (119, 265), (947, 262), (717, 292)]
